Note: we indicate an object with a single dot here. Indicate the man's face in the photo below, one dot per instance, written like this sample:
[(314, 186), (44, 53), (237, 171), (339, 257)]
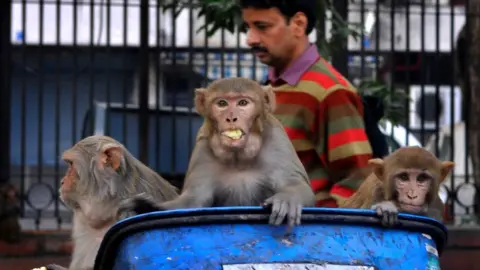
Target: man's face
[(270, 36)]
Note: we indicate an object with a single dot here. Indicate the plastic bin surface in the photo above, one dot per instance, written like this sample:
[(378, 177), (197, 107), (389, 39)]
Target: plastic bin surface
[(241, 238)]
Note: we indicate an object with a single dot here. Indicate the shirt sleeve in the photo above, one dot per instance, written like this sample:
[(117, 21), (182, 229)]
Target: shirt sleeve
[(343, 144)]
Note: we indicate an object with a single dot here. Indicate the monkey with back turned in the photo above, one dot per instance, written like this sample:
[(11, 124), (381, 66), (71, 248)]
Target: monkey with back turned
[(242, 157), (101, 173), (407, 180)]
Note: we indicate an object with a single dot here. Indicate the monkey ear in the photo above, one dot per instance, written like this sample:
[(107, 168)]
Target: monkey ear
[(447, 167), (111, 155), (377, 165), (200, 100), (270, 101)]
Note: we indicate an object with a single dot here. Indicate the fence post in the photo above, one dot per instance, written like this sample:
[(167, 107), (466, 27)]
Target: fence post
[(5, 88), (340, 57), (143, 81)]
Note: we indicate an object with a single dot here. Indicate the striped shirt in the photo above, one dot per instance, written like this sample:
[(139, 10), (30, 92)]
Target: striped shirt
[(323, 117)]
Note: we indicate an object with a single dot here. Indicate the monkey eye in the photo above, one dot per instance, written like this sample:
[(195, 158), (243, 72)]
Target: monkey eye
[(423, 178), (222, 103), (243, 102), (403, 176)]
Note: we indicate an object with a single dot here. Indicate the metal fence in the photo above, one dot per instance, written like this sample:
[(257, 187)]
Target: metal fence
[(73, 68)]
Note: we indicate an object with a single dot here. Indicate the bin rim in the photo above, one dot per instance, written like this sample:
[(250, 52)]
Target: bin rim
[(257, 215)]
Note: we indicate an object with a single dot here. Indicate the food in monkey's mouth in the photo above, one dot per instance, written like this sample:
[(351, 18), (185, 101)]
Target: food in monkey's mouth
[(234, 134)]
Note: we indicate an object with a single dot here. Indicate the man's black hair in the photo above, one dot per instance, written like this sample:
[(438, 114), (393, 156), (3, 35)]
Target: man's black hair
[(288, 8)]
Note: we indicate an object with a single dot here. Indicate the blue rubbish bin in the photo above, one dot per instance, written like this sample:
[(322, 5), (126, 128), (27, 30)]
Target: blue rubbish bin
[(234, 238)]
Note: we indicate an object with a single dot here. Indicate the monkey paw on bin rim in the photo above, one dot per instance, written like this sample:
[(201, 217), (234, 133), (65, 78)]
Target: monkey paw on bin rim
[(387, 211)]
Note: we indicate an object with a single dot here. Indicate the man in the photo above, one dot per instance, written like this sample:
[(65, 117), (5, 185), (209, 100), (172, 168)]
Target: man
[(321, 111)]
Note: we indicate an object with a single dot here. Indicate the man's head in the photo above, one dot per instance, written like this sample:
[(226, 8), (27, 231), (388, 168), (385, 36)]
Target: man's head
[(278, 29)]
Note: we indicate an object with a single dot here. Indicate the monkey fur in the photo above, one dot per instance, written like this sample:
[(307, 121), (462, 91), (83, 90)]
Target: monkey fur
[(101, 173), (407, 180), (242, 157)]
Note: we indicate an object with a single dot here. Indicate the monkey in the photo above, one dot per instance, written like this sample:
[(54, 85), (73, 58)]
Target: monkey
[(242, 157), (101, 173), (10, 229), (407, 180)]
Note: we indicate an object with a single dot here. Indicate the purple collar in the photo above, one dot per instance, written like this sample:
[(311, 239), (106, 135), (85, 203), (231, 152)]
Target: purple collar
[(293, 74)]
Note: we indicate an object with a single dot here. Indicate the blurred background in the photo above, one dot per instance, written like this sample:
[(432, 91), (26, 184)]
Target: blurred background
[(128, 69)]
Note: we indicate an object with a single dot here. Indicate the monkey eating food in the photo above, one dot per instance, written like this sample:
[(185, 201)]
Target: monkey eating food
[(407, 180), (242, 157), (101, 173)]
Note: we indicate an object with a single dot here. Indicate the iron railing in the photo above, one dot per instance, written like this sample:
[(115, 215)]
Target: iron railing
[(73, 68)]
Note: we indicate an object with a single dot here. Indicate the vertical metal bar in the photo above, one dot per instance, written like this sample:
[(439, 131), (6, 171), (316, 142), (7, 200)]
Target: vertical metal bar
[(468, 84), (109, 67), (422, 71), (377, 39), (143, 82), (23, 146), (124, 68), (190, 68), (158, 55), (437, 73), (238, 54), (205, 55), (5, 93), (222, 53), (174, 96), (41, 74), (407, 73), (75, 72), (450, 203), (57, 114), (340, 57), (392, 56), (92, 58), (362, 43)]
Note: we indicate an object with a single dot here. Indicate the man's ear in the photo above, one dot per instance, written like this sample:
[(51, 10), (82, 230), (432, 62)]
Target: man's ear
[(269, 98), (377, 166), (201, 101), (447, 167), (111, 155)]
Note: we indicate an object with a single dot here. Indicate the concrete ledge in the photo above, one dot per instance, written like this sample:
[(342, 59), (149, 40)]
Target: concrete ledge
[(462, 250), (38, 243)]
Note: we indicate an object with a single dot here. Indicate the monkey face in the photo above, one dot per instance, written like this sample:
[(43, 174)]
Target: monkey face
[(69, 182), (92, 169), (412, 187), (234, 115)]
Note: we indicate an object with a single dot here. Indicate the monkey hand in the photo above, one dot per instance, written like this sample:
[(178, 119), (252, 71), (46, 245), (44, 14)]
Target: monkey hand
[(137, 205), (387, 211), (284, 205)]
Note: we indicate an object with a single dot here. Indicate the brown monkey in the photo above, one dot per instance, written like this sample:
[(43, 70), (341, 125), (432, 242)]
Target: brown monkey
[(10, 229), (242, 157), (407, 181), (101, 173)]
